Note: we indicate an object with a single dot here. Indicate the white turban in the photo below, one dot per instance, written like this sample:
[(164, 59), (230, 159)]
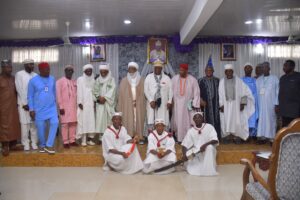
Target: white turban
[(228, 66), (198, 113), (160, 121), (133, 64), (28, 61), (158, 43), (104, 67), (87, 66), (117, 114), (248, 64)]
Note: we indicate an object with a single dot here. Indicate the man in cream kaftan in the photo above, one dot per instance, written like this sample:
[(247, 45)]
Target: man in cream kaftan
[(119, 149), (161, 149)]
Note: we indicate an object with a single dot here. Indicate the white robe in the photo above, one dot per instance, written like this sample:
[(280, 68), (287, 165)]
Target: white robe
[(85, 117), (22, 79), (130, 165), (150, 88), (268, 90), (204, 164), (152, 162), (234, 121)]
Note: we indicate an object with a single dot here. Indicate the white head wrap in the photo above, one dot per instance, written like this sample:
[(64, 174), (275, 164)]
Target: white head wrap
[(104, 67), (87, 66), (228, 66), (28, 61), (160, 121), (133, 64)]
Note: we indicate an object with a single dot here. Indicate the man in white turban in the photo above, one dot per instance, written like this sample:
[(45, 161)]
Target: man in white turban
[(132, 101), (104, 94), (85, 110), (22, 79), (236, 106)]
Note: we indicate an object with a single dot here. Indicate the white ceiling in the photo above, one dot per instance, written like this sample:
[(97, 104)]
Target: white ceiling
[(22, 19)]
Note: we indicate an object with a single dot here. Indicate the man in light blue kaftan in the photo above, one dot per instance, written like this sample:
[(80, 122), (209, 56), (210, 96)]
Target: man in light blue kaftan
[(42, 106), (251, 82)]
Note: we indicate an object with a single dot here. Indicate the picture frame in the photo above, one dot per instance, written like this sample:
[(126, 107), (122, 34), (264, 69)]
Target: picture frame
[(97, 52), (157, 49), (228, 51)]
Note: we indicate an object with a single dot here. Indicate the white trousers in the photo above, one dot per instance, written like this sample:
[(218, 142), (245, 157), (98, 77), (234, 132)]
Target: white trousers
[(25, 129)]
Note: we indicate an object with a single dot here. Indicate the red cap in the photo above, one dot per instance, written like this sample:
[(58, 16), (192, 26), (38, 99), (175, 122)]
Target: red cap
[(184, 66), (43, 65)]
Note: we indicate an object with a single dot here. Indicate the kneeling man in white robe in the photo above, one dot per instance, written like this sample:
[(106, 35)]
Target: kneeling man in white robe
[(119, 150), (161, 149), (200, 140)]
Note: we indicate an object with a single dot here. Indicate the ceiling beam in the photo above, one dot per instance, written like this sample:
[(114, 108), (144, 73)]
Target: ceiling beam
[(199, 15)]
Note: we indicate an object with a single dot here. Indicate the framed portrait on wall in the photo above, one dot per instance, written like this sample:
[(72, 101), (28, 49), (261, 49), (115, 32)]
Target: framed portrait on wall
[(228, 51), (97, 52), (157, 49)]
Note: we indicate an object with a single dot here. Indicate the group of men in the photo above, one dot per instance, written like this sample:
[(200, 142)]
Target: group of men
[(234, 108)]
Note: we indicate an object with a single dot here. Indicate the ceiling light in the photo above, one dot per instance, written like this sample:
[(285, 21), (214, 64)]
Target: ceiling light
[(87, 24), (258, 21), (127, 21), (248, 22)]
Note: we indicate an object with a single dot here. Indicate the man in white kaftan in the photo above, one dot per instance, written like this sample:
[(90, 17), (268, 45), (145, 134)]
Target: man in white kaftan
[(161, 149), (85, 111), (158, 91), (236, 105), (104, 94), (119, 150), (268, 90), (22, 79), (201, 137)]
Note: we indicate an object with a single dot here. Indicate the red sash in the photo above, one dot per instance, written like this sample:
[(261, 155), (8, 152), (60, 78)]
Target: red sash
[(158, 141), (116, 134)]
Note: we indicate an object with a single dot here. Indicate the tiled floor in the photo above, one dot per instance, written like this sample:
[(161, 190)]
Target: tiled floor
[(91, 183)]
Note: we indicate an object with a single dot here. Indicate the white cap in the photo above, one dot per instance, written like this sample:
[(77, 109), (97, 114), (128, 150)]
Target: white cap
[(158, 43), (28, 61), (248, 64), (104, 67), (197, 113), (133, 64), (117, 114), (87, 66), (228, 66), (160, 121)]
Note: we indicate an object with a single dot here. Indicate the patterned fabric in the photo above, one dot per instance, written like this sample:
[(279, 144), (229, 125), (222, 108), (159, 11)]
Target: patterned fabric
[(288, 172), (257, 191)]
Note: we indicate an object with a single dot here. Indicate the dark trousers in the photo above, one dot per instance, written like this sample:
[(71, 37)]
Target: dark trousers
[(286, 121)]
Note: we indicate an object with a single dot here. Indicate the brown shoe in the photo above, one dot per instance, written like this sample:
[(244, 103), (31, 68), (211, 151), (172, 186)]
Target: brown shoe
[(5, 150), (17, 147), (66, 146), (74, 144)]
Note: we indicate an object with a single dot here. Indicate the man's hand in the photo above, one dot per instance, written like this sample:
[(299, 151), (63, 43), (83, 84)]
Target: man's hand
[(221, 109), (62, 111), (276, 109), (203, 147), (26, 107), (124, 154), (136, 139), (169, 106), (242, 106), (32, 115), (80, 106), (160, 155), (101, 100), (184, 158), (134, 103), (203, 103), (153, 104)]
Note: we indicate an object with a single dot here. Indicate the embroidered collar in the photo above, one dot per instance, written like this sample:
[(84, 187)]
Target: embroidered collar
[(158, 141), (199, 129), (116, 133)]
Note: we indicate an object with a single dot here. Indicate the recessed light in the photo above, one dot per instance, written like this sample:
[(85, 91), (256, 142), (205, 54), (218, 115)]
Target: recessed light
[(258, 21), (248, 22), (127, 21)]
